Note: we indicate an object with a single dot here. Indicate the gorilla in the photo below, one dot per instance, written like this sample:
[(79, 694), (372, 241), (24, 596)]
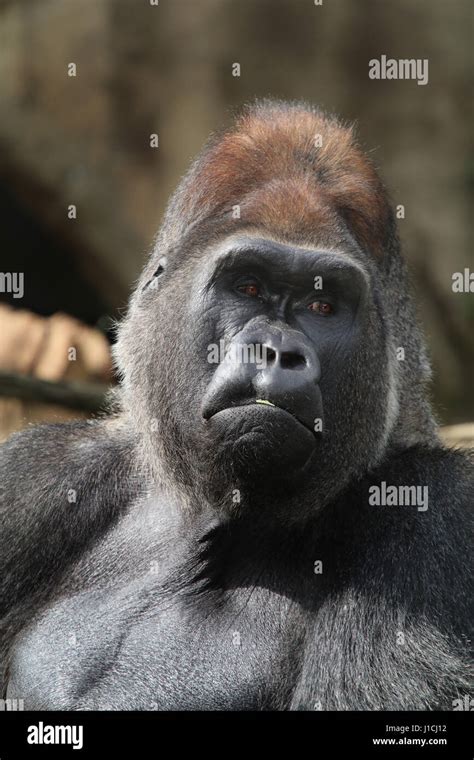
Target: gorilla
[(266, 519)]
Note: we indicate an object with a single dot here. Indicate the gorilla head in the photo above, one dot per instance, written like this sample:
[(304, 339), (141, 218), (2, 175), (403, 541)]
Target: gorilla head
[(270, 349)]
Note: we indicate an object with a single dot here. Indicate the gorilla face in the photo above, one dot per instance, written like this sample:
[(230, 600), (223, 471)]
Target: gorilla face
[(267, 348), (279, 313), (261, 354)]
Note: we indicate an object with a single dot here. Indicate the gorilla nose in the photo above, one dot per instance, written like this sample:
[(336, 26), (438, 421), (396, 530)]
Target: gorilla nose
[(288, 359), (272, 364), (287, 366)]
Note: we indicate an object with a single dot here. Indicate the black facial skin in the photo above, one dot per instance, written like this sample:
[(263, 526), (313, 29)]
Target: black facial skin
[(268, 305), (314, 358)]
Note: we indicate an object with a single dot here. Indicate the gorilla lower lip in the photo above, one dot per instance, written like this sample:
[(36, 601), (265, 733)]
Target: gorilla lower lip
[(247, 406)]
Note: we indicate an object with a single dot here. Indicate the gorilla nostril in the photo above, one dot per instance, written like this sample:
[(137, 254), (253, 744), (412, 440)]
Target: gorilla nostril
[(291, 360), (269, 354)]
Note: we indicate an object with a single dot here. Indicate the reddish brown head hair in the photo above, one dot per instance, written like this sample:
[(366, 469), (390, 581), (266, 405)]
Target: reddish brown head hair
[(293, 170)]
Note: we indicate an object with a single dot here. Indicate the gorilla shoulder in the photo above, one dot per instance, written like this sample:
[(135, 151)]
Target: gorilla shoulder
[(62, 485), (60, 459)]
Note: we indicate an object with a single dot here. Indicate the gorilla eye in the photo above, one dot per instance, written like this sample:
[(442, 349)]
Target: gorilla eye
[(321, 307), (250, 289)]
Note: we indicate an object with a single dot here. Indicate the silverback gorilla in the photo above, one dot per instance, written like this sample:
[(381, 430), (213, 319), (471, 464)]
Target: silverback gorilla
[(267, 520)]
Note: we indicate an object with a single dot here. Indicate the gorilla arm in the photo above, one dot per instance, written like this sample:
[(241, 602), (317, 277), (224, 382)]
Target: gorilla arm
[(61, 487)]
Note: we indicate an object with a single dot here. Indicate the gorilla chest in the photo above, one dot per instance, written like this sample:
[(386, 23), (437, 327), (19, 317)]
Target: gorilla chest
[(132, 650)]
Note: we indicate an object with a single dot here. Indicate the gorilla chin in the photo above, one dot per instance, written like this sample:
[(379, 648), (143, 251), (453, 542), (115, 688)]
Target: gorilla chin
[(263, 441)]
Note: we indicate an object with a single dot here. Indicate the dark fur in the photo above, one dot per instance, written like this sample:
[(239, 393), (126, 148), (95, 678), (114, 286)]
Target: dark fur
[(155, 590)]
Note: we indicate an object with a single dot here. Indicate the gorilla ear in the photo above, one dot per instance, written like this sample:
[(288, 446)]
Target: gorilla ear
[(153, 283)]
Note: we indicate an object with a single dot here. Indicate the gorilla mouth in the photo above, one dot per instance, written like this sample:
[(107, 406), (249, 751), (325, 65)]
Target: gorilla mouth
[(209, 413)]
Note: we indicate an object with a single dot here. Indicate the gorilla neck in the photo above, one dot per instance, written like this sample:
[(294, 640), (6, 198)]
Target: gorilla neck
[(217, 482), (214, 488), (277, 501)]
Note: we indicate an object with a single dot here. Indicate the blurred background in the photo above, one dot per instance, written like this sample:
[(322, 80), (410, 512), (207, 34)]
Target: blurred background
[(145, 67)]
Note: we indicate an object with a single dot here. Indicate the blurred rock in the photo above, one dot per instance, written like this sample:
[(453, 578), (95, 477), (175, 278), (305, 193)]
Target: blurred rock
[(461, 436)]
